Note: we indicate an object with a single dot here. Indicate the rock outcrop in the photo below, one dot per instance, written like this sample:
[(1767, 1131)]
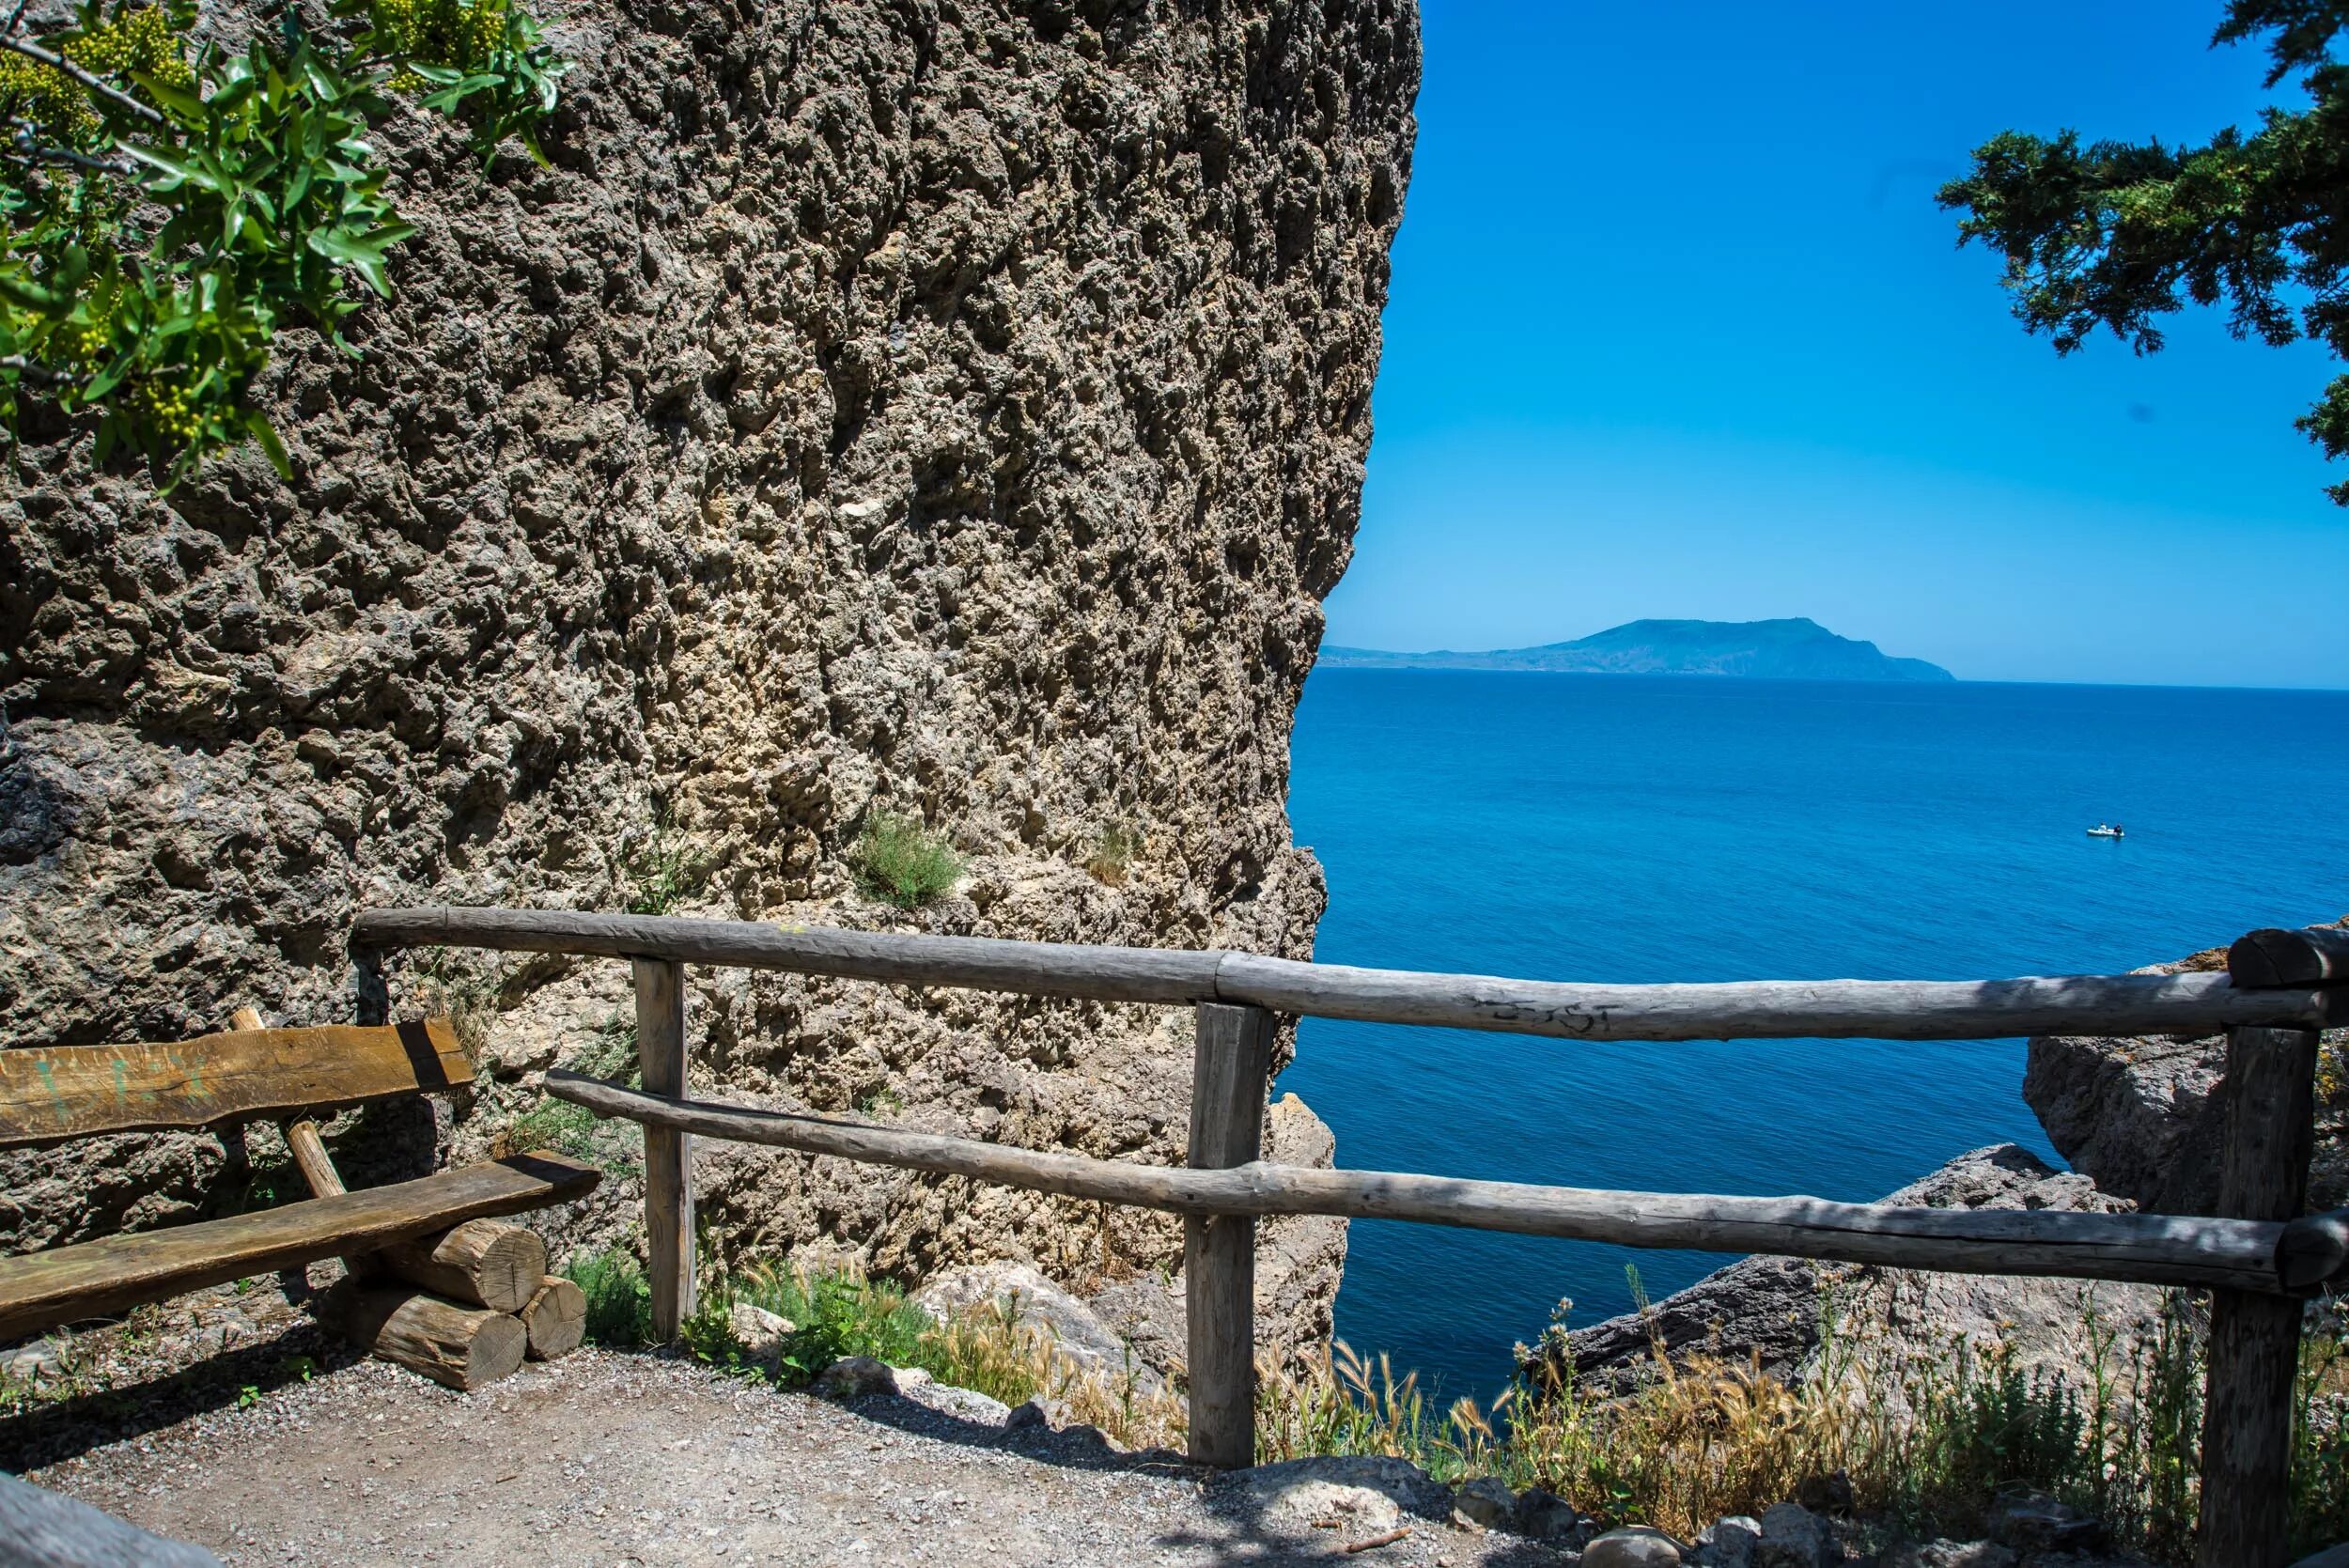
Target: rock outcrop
[(2140, 1117), (1766, 1310), (957, 412)]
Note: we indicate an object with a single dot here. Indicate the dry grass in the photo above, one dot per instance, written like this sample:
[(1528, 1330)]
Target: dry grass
[(1113, 855), (1926, 1437)]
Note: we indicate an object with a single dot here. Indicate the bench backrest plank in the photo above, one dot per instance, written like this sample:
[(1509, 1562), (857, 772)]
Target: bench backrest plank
[(76, 1091)]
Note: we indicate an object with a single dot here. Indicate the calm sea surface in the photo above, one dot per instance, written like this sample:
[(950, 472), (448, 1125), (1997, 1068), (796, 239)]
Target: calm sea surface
[(1654, 828)]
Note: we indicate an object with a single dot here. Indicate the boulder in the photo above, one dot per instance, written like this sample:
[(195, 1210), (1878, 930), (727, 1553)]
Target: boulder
[(1793, 1537), (1543, 1515), (759, 1332), (2031, 1522), (1951, 1554), (1633, 1547), (1025, 1295), (1727, 1543), (856, 1378), (1484, 1503), (1366, 1494), (1037, 1412)]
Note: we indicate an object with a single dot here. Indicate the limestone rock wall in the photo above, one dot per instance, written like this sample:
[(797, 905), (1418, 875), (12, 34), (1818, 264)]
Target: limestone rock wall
[(955, 409), (2141, 1116)]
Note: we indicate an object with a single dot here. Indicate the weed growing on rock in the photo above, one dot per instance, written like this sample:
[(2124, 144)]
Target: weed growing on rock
[(883, 1101), (663, 871), (1113, 855), (462, 987), (609, 1053), (900, 862)]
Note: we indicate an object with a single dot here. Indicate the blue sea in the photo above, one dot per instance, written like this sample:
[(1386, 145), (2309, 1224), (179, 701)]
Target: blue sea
[(1657, 829)]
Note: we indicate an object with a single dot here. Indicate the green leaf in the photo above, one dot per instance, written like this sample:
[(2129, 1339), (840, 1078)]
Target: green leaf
[(25, 294), (257, 425)]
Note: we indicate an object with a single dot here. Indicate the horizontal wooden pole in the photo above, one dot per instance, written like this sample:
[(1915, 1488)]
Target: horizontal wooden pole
[(1765, 1009), (1757, 1009), (2147, 1248), (980, 963), (95, 1278), (2314, 956)]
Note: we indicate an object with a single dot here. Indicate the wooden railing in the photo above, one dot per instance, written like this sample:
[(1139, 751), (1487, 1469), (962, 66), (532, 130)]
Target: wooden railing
[(2258, 1255)]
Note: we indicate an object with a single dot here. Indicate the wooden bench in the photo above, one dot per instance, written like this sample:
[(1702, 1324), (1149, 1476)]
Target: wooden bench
[(51, 1096)]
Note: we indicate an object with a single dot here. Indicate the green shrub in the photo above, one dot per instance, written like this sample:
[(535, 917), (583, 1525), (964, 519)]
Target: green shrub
[(619, 1301), (173, 204), (902, 863)]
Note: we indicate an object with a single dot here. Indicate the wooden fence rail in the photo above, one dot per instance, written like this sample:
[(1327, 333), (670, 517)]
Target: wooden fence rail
[(2190, 1005), (2258, 1257)]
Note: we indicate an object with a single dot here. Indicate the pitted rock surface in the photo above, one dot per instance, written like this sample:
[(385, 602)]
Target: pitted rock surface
[(956, 409), (2141, 1116)]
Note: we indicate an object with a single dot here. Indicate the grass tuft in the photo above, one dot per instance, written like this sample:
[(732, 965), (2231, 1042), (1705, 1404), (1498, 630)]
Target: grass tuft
[(663, 870), (900, 862), (1113, 855)]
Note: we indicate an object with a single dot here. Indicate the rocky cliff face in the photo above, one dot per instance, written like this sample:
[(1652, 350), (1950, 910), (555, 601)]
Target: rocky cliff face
[(956, 409), (1766, 1310), (2141, 1117)]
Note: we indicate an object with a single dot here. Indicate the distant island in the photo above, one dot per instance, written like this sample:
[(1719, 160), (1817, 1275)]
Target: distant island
[(1799, 649)]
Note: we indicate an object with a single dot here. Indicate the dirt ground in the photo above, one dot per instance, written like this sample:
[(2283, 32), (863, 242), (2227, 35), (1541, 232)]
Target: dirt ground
[(607, 1458)]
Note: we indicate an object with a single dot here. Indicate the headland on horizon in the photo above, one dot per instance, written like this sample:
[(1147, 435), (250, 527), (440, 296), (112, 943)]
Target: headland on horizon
[(1793, 649)]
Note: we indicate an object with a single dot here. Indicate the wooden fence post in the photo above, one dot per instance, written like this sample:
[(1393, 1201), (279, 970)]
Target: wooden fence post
[(1229, 1067), (668, 1179), (2268, 1108)]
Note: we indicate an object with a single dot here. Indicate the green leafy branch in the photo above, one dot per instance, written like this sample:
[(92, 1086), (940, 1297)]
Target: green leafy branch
[(166, 209), (2116, 235)]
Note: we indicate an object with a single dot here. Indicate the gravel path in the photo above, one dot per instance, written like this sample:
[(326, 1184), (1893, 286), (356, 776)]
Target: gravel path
[(607, 1458)]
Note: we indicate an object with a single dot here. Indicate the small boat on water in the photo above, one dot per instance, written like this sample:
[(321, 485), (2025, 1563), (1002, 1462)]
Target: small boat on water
[(2107, 829)]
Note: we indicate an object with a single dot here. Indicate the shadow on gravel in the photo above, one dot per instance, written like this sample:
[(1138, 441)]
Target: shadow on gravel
[(1078, 1448), (1249, 1537), (70, 1427)]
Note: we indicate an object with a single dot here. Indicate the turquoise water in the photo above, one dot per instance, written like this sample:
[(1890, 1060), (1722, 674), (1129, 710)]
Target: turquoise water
[(1654, 828)]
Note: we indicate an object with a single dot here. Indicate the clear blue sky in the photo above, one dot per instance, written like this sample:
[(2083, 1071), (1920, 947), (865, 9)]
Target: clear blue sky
[(1676, 330)]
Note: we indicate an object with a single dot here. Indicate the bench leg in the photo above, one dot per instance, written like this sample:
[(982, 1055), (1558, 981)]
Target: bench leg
[(668, 1185)]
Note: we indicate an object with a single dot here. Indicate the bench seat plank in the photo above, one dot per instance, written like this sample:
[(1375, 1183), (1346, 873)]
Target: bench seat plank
[(49, 1093), (97, 1279)]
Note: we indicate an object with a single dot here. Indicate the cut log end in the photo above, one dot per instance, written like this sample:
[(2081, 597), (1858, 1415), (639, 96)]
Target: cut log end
[(461, 1347), (484, 1262), (2271, 959), (556, 1319)]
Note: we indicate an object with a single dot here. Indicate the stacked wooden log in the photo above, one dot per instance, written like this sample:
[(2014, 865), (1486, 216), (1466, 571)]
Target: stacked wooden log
[(464, 1306)]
